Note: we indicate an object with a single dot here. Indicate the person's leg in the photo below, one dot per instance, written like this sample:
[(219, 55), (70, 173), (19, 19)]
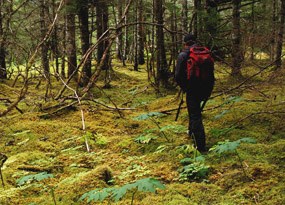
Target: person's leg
[(196, 128)]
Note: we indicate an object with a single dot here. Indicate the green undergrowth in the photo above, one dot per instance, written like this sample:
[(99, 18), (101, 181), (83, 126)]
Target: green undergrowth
[(140, 148)]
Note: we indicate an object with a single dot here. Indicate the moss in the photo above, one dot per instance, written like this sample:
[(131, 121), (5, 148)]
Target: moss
[(57, 143)]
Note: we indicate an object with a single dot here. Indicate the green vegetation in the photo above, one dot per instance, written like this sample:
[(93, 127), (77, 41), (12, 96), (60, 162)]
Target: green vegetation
[(144, 185), (128, 150)]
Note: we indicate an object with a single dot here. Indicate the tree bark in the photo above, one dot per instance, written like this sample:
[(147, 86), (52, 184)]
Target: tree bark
[(280, 36), (85, 42), (102, 25), (237, 56), (44, 46), (3, 71), (141, 34), (184, 16), (196, 18), (161, 63), (119, 39), (70, 37)]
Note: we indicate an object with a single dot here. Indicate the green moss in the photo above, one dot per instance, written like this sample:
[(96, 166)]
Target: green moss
[(57, 143)]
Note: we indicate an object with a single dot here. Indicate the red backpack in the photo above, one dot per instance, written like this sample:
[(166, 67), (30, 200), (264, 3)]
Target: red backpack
[(200, 64), (200, 71)]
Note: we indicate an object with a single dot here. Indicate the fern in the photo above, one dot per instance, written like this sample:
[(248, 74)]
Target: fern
[(96, 195), (174, 128), (116, 194), (230, 147), (145, 139), (218, 132), (195, 171), (33, 177), (149, 115)]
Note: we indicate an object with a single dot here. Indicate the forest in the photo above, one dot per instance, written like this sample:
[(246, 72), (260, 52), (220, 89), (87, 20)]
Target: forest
[(90, 112)]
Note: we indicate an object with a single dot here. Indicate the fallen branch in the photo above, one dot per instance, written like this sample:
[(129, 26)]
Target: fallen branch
[(46, 115), (10, 102), (3, 159)]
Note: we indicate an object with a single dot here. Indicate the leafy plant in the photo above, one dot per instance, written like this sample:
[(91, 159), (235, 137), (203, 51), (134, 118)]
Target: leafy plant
[(230, 147), (186, 149), (145, 138), (146, 116), (37, 177), (218, 132), (116, 194), (194, 168), (101, 140), (230, 100), (151, 116), (33, 177)]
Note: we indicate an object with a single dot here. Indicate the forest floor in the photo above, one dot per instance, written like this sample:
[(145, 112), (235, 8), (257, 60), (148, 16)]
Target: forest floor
[(48, 162)]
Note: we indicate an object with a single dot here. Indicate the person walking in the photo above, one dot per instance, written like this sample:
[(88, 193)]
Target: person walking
[(197, 91)]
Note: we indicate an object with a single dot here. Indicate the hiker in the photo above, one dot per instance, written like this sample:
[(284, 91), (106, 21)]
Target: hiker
[(197, 91)]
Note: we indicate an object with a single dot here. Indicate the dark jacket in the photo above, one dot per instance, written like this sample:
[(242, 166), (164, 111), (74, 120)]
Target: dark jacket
[(180, 70)]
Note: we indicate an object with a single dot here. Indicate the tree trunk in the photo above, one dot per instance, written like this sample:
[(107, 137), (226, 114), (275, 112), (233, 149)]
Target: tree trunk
[(211, 22), (44, 46), (119, 39), (161, 63), (184, 16), (85, 42), (70, 37), (236, 40), (280, 36), (273, 37), (174, 38), (141, 34), (196, 18), (252, 22), (126, 42), (54, 43), (3, 72), (135, 37), (102, 26)]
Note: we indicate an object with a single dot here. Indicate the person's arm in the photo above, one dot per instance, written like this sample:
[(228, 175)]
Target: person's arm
[(180, 70)]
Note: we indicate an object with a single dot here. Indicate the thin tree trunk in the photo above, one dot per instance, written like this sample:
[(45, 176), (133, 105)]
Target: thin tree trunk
[(63, 50), (102, 26), (135, 37), (126, 42), (85, 42), (161, 63), (196, 18), (252, 31), (236, 40), (70, 38), (174, 40), (44, 46), (141, 34), (55, 39), (273, 37), (3, 72), (119, 39), (184, 16), (280, 36)]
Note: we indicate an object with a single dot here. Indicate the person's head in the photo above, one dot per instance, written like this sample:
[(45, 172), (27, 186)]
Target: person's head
[(189, 39)]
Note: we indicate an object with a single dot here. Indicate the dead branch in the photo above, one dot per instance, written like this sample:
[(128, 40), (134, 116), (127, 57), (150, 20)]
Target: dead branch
[(257, 113), (3, 159), (31, 60), (10, 102)]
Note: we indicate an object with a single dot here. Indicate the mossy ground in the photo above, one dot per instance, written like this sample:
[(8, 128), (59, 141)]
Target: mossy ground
[(56, 143)]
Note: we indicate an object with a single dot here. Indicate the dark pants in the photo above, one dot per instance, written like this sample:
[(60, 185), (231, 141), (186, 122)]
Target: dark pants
[(196, 128)]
